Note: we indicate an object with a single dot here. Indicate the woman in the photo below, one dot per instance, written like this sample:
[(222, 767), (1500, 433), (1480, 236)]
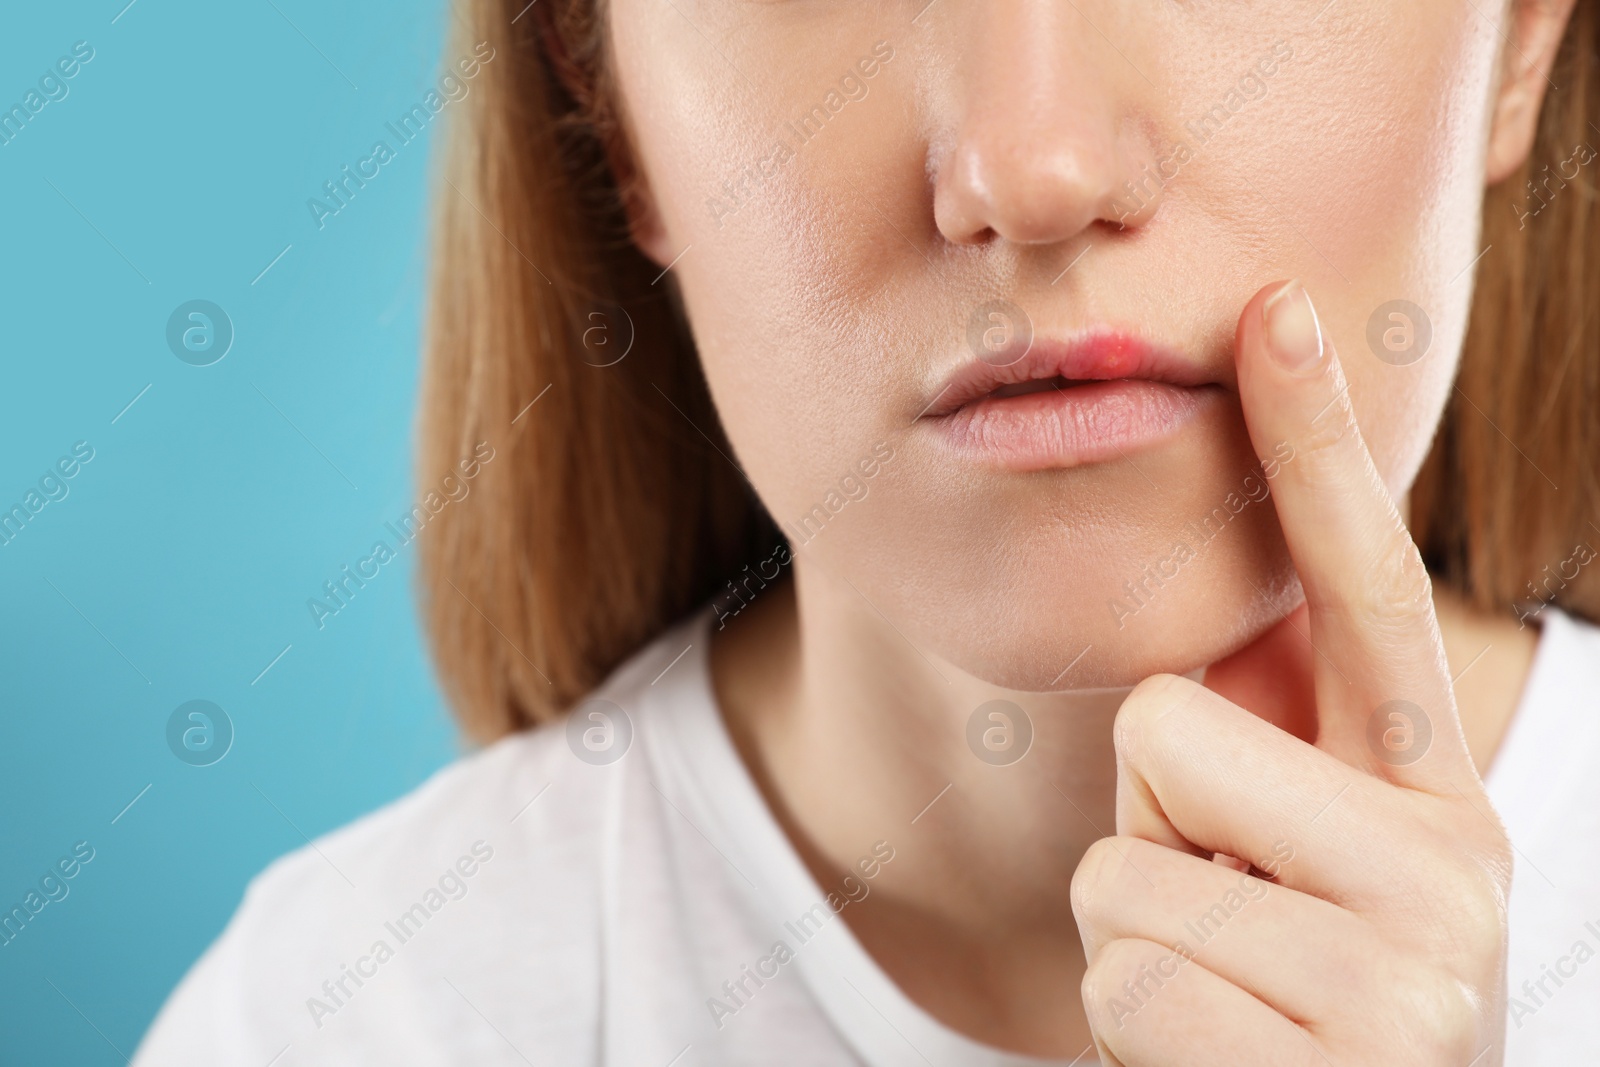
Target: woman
[(938, 363)]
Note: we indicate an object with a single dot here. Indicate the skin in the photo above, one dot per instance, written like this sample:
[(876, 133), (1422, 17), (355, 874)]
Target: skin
[(986, 158)]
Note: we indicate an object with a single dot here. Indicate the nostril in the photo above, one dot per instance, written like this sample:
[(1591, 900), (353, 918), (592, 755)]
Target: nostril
[(1041, 182)]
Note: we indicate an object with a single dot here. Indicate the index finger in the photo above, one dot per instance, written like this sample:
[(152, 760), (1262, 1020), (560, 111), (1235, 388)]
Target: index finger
[(1379, 666)]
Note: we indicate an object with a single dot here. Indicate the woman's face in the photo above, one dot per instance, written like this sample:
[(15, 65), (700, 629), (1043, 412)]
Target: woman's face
[(872, 205)]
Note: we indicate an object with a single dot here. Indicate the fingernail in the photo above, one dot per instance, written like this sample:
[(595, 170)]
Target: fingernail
[(1293, 334)]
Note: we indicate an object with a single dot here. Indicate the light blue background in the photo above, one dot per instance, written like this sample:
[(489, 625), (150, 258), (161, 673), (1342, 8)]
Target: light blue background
[(190, 544)]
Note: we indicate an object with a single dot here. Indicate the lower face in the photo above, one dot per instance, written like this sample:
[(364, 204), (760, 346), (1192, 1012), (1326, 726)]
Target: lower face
[(1341, 144)]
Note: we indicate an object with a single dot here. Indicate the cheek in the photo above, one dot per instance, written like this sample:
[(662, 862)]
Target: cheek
[(1367, 144), (790, 283), (1402, 196), (1360, 171)]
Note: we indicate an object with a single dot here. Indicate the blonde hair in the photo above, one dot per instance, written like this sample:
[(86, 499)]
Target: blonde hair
[(1509, 498), (609, 512)]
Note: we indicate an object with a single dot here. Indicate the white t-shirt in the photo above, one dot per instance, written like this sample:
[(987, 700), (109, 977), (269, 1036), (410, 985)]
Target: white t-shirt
[(526, 906)]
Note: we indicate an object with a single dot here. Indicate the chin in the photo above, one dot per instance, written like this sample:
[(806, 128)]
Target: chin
[(1082, 579), (1162, 561), (1058, 638)]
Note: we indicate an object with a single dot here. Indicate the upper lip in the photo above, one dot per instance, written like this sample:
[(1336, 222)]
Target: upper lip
[(1094, 355)]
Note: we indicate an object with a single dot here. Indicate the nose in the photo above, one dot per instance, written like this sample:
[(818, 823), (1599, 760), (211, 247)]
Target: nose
[(1043, 136)]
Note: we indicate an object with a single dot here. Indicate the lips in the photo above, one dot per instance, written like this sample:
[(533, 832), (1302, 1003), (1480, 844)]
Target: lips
[(1094, 398)]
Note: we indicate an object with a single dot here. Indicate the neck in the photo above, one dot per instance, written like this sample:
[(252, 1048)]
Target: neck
[(855, 736)]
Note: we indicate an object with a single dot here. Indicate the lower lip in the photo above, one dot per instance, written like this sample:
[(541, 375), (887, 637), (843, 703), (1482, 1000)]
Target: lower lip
[(1078, 425)]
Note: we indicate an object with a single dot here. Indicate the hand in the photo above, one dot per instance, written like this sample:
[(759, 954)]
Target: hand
[(1273, 900)]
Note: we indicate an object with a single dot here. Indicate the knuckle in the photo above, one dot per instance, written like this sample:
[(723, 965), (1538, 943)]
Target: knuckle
[(1325, 438), (1154, 691), (1474, 915), (1115, 962), (1496, 860), (1399, 588), (1094, 877), (1125, 977), (1435, 1018), (1091, 988), (1086, 882), (1488, 841), (1142, 712), (1452, 902), (1454, 910)]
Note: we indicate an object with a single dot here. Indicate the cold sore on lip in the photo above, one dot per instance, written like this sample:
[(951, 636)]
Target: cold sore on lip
[(1061, 404)]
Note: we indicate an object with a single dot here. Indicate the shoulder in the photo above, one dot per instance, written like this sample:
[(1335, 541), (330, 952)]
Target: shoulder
[(1563, 684), (1552, 746), (1578, 637), (397, 935), (339, 949), (1545, 786)]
